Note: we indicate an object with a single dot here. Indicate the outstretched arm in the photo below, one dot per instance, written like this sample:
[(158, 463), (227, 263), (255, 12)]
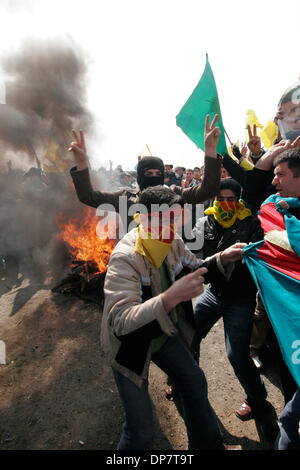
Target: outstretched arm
[(212, 166), (81, 177), (266, 161), (191, 285)]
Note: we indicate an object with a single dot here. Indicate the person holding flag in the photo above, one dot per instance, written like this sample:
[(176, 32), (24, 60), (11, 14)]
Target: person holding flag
[(274, 264)]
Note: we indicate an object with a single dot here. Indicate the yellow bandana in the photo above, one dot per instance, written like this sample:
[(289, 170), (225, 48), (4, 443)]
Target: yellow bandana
[(154, 243), (226, 213)]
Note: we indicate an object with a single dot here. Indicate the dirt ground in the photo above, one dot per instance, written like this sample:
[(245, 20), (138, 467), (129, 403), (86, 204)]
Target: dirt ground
[(58, 394)]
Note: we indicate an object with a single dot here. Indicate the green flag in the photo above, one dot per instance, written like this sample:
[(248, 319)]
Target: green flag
[(204, 100)]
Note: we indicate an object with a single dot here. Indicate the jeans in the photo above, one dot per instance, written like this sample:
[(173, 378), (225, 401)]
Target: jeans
[(237, 316), (288, 438), (201, 422)]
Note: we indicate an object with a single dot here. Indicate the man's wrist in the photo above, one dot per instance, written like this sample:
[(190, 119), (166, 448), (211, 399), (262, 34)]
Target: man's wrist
[(81, 166), (210, 152), (221, 260), (170, 299), (167, 301)]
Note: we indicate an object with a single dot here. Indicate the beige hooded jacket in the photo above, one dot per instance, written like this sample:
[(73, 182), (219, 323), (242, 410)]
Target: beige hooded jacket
[(134, 314)]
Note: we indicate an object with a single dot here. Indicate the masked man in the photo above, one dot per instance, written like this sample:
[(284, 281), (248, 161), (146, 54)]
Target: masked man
[(150, 172), (148, 316)]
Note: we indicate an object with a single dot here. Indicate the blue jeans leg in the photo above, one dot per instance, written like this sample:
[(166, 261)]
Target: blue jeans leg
[(237, 316), (201, 422), (288, 438), (207, 310), (238, 323), (138, 426)]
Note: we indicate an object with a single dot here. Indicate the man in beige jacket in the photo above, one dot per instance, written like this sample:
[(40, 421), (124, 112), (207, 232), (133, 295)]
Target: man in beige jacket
[(148, 316)]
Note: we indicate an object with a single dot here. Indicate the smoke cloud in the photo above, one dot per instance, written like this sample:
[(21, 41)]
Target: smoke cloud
[(46, 97)]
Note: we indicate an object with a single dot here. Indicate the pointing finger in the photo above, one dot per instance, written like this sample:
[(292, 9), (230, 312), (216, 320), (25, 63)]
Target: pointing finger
[(198, 272)]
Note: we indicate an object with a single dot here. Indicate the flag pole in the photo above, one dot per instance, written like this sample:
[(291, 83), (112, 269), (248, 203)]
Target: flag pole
[(227, 136), (149, 150)]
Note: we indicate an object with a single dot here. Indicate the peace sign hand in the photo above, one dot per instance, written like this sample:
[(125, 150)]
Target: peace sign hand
[(79, 150), (211, 136), (244, 149), (254, 143)]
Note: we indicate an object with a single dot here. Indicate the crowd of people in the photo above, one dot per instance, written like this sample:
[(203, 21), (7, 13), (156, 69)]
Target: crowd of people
[(179, 176), (151, 280)]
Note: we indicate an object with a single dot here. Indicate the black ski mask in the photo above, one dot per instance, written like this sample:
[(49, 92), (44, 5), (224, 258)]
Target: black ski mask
[(150, 163)]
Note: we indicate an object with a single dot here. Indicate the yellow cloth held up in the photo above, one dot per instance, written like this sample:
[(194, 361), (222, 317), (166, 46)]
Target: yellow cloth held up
[(269, 134), (252, 119)]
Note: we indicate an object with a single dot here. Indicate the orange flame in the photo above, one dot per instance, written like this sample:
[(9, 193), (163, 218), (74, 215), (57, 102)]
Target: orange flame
[(85, 245)]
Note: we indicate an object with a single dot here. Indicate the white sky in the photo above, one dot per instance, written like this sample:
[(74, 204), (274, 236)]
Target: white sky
[(147, 56)]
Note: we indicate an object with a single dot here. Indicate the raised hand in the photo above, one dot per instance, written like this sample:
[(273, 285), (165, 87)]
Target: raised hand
[(278, 115), (244, 149), (254, 144), (266, 161), (79, 150), (276, 149), (211, 136), (296, 142), (284, 205)]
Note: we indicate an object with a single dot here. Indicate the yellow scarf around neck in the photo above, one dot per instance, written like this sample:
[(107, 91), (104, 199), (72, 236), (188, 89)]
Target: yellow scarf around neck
[(154, 249), (226, 213)]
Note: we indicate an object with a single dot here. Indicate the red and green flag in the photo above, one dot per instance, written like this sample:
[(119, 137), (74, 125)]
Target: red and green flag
[(275, 267)]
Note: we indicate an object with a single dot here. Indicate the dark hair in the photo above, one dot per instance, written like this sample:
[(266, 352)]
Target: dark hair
[(292, 158), (159, 195), (233, 185), (196, 168)]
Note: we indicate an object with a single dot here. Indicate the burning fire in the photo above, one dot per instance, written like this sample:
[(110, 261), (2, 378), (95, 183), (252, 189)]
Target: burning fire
[(85, 245)]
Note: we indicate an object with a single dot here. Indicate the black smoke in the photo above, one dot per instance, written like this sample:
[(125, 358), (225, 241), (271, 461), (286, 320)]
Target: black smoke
[(46, 97)]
